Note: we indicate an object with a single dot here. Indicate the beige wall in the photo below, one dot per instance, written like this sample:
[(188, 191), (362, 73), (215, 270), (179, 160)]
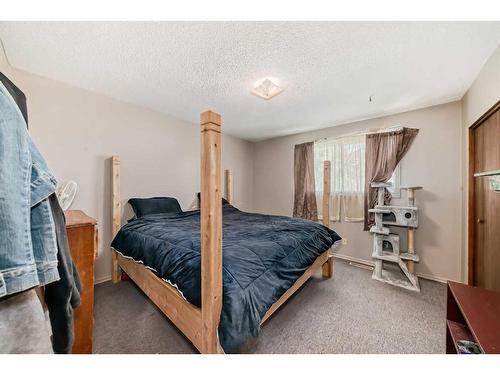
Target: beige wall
[(434, 161), (481, 96), (484, 91), (77, 131)]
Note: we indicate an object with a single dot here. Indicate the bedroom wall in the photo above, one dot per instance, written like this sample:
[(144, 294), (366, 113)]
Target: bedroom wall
[(77, 131), (434, 161), (481, 96)]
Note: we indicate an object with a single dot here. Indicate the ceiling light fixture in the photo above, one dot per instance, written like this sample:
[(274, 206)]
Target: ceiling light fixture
[(267, 89)]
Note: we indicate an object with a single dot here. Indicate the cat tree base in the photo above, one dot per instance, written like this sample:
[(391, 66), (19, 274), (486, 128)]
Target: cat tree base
[(392, 278)]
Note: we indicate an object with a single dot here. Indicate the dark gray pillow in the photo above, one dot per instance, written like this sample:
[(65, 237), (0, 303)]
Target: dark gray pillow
[(157, 205)]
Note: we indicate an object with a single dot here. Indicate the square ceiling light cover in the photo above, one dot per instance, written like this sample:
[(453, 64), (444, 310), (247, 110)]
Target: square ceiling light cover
[(267, 89)]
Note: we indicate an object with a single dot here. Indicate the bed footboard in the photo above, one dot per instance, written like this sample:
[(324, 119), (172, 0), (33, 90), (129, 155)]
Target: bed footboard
[(169, 300)]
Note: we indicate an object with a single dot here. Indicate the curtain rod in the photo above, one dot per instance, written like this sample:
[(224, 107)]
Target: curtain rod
[(367, 132)]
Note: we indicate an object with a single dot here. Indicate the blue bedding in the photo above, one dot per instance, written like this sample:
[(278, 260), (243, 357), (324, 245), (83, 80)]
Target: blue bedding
[(262, 255)]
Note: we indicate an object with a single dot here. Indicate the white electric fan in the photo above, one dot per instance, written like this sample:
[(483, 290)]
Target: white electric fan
[(66, 194)]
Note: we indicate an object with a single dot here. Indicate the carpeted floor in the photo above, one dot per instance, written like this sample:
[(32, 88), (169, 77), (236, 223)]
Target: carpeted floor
[(350, 313)]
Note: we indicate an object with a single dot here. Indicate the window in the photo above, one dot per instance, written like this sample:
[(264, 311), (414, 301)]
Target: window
[(347, 155), (395, 180)]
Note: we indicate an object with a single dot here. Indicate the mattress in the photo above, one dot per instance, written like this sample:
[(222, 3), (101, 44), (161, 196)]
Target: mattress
[(262, 257)]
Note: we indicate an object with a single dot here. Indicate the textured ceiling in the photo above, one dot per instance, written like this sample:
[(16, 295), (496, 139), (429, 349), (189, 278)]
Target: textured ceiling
[(328, 69)]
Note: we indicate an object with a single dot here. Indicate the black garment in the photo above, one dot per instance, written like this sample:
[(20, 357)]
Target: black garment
[(62, 296), (17, 94)]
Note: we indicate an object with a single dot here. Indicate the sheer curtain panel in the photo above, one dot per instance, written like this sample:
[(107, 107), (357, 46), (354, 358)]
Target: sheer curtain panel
[(347, 156)]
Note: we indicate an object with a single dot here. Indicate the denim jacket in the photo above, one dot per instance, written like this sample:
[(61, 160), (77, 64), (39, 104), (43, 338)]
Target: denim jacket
[(28, 244)]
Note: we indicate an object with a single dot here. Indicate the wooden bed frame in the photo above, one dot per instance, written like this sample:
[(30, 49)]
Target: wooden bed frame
[(200, 325)]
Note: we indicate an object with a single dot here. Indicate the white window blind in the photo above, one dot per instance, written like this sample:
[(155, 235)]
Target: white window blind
[(347, 156)]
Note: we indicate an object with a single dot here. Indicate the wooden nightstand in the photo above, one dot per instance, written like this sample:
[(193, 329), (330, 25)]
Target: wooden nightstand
[(82, 237)]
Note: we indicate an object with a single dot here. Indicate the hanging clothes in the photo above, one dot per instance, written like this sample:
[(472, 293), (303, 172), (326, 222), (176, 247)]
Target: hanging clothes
[(27, 232), (16, 94), (62, 296), (23, 325), (33, 239)]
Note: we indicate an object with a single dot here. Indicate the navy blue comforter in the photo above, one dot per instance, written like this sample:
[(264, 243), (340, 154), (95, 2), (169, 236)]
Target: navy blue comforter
[(262, 257)]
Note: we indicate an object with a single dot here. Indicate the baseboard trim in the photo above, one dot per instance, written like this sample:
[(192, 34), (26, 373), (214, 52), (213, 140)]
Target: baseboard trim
[(102, 279), (371, 263)]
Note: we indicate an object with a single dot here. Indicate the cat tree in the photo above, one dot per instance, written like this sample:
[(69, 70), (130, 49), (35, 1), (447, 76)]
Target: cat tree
[(386, 245)]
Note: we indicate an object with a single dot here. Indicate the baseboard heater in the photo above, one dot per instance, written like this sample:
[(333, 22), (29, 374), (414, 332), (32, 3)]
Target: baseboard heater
[(360, 265)]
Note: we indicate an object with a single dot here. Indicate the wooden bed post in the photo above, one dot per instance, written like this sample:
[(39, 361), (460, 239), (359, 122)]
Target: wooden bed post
[(228, 185), (328, 265), (116, 214), (211, 231)]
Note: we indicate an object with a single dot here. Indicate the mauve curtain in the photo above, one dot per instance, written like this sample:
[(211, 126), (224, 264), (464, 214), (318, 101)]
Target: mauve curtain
[(383, 153), (304, 203)]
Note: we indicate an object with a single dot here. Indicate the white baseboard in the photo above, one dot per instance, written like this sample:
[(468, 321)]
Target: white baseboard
[(102, 279), (371, 263)]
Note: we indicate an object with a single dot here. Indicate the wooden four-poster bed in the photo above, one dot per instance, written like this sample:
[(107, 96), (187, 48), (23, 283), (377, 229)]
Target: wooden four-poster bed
[(200, 324)]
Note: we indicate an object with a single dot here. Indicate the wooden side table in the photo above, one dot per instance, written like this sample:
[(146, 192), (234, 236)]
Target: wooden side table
[(82, 237)]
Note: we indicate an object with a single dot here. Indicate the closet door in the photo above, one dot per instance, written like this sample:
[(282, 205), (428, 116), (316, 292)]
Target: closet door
[(486, 210)]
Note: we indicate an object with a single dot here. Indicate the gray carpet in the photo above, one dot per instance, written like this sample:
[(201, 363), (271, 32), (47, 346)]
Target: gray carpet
[(350, 313)]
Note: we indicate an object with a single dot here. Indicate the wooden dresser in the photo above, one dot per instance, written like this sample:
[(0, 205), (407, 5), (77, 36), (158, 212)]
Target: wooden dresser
[(82, 237)]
